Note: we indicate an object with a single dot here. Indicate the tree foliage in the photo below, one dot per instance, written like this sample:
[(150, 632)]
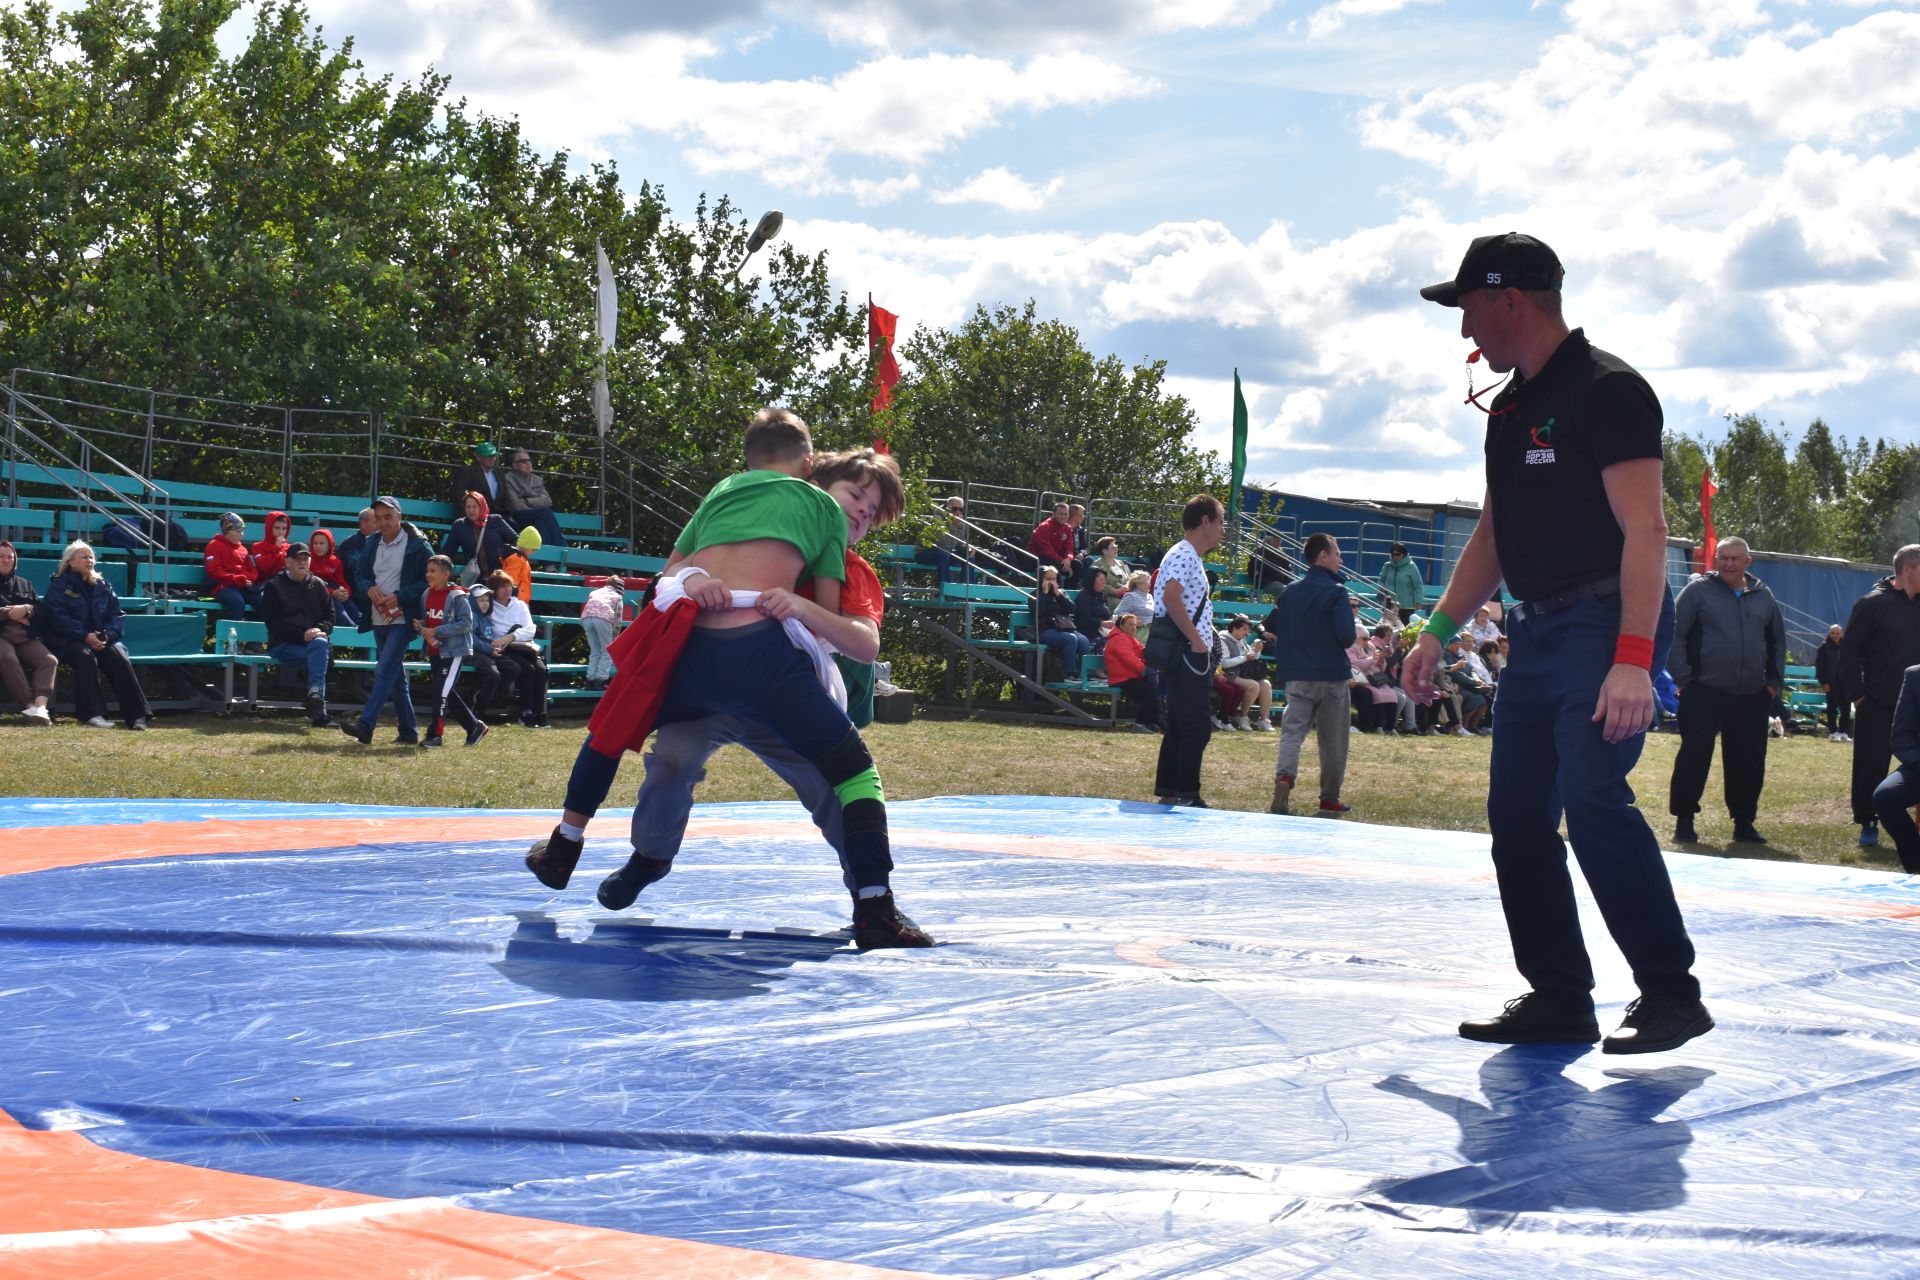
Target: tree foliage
[(276, 226), (1820, 496), (1010, 399)]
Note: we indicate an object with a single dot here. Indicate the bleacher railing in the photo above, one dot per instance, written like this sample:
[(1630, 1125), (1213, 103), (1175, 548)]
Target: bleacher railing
[(33, 437)]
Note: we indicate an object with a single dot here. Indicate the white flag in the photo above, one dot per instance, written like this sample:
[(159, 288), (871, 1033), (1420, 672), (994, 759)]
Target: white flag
[(606, 322)]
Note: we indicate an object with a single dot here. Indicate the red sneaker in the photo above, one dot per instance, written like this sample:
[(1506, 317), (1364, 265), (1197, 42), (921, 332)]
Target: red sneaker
[(1334, 806)]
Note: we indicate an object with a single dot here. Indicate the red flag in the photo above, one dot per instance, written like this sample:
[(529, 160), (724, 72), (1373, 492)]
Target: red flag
[(880, 329), (1711, 545)]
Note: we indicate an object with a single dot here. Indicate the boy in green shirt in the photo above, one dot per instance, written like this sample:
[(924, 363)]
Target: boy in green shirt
[(714, 643)]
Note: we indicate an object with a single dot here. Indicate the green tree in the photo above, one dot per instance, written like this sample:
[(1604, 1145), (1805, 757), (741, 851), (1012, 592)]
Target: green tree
[(1881, 511), (276, 226), (1684, 459), (1763, 497), (1010, 399)]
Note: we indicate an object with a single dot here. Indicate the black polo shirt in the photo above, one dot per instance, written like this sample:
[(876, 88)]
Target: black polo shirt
[(1548, 439)]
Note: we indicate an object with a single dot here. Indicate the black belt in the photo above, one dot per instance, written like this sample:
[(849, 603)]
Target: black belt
[(1572, 596)]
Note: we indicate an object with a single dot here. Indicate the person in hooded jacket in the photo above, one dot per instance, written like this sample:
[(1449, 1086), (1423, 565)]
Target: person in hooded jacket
[(231, 570), (27, 667), (1091, 611), (81, 621), (446, 624), (334, 574), (270, 553), (479, 539)]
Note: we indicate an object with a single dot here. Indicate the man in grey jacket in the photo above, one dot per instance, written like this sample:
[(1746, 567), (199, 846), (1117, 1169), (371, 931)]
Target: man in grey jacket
[(1728, 659)]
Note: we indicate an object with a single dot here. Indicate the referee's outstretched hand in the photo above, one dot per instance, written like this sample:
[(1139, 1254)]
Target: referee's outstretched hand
[(1626, 702), (1416, 673)]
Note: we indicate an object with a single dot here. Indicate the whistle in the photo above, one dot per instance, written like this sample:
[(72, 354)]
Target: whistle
[(1473, 356)]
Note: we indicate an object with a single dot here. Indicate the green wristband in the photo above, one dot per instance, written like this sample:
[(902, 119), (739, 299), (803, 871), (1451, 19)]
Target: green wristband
[(1440, 627)]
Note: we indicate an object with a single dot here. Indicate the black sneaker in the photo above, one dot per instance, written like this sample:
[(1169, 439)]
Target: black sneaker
[(1744, 833), (618, 890), (360, 733), (1683, 832), (1657, 1023), (476, 733), (1191, 802), (324, 721), (877, 922), (1535, 1018), (316, 702), (552, 860), (406, 740)]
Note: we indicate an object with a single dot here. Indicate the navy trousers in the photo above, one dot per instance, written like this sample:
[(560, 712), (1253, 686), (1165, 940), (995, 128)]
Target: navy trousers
[(1550, 759)]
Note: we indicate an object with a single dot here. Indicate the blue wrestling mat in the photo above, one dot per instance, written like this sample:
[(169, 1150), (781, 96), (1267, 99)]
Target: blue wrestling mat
[(289, 1041)]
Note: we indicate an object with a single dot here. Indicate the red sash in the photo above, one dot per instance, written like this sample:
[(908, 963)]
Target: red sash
[(644, 656)]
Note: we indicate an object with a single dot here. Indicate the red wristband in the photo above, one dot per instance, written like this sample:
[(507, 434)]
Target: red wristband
[(1634, 650)]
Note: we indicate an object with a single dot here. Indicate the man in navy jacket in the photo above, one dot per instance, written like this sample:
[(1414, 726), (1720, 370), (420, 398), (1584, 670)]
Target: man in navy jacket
[(1313, 625)]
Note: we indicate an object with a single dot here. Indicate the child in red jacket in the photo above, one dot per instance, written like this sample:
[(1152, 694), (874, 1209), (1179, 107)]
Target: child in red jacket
[(234, 578)]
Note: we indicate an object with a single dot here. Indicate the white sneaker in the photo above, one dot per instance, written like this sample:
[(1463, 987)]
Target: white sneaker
[(1241, 723), (37, 715), (1263, 725), (1833, 737), (97, 722), (1846, 737), (1222, 725)]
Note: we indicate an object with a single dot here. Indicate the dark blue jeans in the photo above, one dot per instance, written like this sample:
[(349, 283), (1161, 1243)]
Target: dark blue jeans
[(235, 601), (543, 519), (1893, 802), (1550, 758), (390, 680), (310, 657)]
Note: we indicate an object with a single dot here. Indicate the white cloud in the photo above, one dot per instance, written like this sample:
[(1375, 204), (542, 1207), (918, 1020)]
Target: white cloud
[(1633, 22), (1000, 186), (1330, 18), (1001, 24), (864, 132)]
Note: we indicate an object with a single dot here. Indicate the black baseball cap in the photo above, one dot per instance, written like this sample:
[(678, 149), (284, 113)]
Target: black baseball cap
[(1507, 261)]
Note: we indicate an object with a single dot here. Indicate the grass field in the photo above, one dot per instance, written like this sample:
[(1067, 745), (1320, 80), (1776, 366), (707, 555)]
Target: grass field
[(1409, 782)]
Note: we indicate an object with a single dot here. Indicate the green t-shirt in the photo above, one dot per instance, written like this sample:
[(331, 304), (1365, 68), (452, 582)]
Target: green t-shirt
[(771, 504)]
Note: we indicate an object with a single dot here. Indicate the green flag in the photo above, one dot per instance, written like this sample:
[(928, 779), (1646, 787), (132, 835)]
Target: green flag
[(1239, 448)]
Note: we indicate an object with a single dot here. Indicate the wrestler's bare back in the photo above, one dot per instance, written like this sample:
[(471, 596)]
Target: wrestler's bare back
[(760, 564)]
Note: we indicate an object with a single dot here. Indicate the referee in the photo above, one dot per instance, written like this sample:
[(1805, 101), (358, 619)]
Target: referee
[(1572, 523)]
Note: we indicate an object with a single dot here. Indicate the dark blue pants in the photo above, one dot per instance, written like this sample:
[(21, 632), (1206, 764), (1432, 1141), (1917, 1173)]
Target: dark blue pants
[(1893, 802), (236, 601), (390, 680), (1550, 759), (309, 657), (1188, 725)]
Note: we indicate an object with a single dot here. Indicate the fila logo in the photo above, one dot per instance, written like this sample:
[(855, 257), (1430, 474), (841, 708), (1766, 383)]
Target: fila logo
[(1493, 277)]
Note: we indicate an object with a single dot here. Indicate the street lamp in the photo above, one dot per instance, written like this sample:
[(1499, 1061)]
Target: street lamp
[(768, 228)]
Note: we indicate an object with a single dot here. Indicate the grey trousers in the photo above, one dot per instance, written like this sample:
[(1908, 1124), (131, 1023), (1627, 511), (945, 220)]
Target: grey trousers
[(1324, 706)]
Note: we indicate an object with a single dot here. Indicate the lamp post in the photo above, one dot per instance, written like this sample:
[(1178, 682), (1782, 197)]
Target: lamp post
[(767, 228)]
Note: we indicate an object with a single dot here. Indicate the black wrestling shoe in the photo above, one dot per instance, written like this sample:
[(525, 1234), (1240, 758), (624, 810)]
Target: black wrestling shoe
[(1657, 1023), (618, 890), (433, 740), (478, 732), (1683, 832), (1535, 1018), (359, 733), (1744, 833), (878, 922), (552, 860)]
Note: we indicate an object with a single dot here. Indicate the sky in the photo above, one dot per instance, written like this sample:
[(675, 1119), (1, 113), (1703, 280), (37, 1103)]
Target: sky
[(1732, 185)]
